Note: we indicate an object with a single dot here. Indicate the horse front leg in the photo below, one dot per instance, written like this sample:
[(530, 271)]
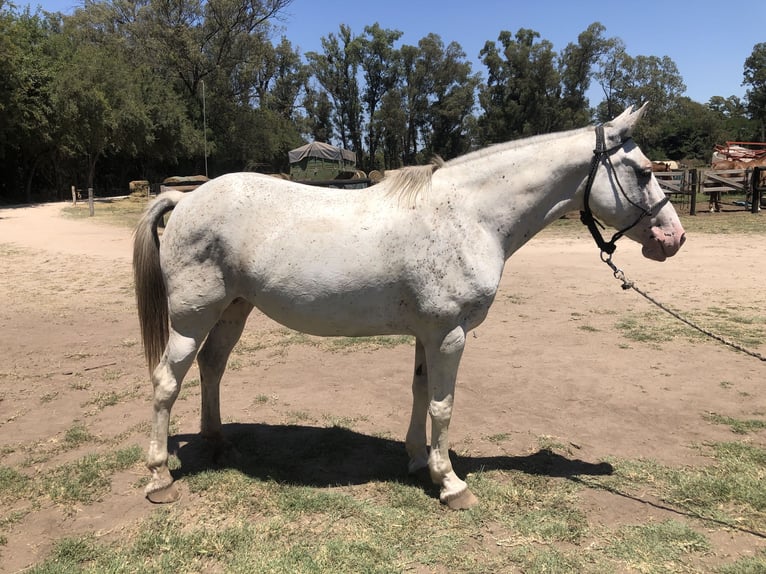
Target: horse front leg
[(443, 359), (416, 433)]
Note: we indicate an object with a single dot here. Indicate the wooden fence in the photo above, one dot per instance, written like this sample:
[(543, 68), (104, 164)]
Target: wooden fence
[(683, 186)]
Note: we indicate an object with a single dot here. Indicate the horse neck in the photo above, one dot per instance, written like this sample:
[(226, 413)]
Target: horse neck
[(520, 187)]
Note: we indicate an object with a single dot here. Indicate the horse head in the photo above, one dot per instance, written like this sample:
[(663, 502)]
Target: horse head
[(622, 191)]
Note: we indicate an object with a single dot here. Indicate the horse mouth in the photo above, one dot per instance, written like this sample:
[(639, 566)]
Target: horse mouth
[(663, 244)]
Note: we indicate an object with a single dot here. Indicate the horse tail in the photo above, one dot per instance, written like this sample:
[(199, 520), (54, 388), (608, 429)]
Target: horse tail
[(151, 291)]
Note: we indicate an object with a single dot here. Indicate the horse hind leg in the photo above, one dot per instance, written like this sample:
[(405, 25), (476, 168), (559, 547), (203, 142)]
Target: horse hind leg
[(416, 433), (166, 380), (212, 364), (187, 332)]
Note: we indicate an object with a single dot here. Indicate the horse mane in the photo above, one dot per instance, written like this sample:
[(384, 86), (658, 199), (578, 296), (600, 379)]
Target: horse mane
[(409, 183), (513, 144)]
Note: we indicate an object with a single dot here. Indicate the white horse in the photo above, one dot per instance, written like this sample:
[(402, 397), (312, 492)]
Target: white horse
[(420, 253)]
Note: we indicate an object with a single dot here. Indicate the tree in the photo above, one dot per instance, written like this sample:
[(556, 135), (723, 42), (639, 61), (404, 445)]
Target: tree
[(755, 77), (204, 39), (416, 83), (522, 95), (377, 59), (734, 124), (610, 74), (450, 99), (576, 69), (689, 130), (26, 74), (336, 70), (635, 81), (98, 96), (319, 114)]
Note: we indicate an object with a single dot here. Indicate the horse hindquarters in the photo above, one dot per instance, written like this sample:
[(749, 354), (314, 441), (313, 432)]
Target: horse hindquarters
[(171, 340)]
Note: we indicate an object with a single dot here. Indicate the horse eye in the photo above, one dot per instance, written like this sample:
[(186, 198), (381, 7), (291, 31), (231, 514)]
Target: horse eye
[(645, 172)]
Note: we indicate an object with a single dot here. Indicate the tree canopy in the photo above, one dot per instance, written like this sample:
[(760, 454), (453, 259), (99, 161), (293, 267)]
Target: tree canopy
[(142, 89)]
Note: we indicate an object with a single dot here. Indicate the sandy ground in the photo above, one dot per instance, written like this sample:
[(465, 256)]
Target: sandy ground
[(549, 362)]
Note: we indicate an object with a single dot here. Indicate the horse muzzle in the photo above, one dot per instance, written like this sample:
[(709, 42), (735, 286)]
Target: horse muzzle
[(664, 242)]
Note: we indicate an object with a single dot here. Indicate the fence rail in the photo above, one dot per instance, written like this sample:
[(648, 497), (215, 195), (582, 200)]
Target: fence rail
[(687, 184)]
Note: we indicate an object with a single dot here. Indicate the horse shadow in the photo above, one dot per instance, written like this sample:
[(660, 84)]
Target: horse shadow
[(330, 456)]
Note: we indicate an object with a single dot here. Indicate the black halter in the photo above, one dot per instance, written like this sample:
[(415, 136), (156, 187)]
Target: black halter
[(602, 154)]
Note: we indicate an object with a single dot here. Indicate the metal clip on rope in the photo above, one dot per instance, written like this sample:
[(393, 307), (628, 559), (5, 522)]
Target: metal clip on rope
[(618, 273)]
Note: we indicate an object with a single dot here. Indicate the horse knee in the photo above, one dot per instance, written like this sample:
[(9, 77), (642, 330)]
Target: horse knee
[(166, 386), (441, 411)]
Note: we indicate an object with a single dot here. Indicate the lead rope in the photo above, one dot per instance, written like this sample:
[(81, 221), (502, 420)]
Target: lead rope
[(626, 284)]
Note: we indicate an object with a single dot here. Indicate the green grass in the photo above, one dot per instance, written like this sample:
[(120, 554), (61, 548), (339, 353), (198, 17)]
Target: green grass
[(121, 212), (644, 546), (87, 479), (655, 327), (526, 522), (729, 491), (280, 339), (738, 426)]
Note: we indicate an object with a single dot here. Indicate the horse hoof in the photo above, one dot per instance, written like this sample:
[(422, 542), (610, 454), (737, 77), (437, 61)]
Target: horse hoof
[(462, 501), (164, 495)]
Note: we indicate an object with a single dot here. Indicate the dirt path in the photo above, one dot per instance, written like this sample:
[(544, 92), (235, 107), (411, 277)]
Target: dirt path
[(549, 364), (40, 227)]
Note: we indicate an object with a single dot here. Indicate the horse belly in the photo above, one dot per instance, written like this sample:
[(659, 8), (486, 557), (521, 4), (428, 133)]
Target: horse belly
[(350, 313)]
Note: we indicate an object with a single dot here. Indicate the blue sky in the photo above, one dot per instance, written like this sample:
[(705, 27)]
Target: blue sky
[(708, 41)]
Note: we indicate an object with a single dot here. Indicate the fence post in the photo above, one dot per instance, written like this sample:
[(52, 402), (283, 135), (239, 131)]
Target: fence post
[(693, 189), (755, 196), (90, 201)]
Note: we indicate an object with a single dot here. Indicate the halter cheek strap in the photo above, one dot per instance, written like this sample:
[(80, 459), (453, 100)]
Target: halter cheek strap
[(602, 153)]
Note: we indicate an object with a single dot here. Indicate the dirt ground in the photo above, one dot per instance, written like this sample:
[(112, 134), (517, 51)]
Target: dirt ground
[(548, 362)]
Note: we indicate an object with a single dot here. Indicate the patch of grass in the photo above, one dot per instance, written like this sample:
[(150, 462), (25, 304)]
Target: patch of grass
[(122, 212), (351, 344), (342, 421), (282, 338), (88, 478), (655, 328), (650, 328), (76, 435), (108, 399), (524, 522), (80, 385), (748, 565), (12, 483), (738, 426), (294, 417), (644, 545), (588, 328), (729, 490), (498, 438), (49, 397)]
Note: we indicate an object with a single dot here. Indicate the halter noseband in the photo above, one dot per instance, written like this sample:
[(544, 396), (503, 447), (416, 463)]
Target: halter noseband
[(602, 153)]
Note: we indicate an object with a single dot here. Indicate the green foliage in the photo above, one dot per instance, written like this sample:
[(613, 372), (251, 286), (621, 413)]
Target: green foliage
[(755, 77), (522, 94), (142, 90)]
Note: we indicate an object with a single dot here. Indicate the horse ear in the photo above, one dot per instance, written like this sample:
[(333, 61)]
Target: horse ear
[(623, 124)]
